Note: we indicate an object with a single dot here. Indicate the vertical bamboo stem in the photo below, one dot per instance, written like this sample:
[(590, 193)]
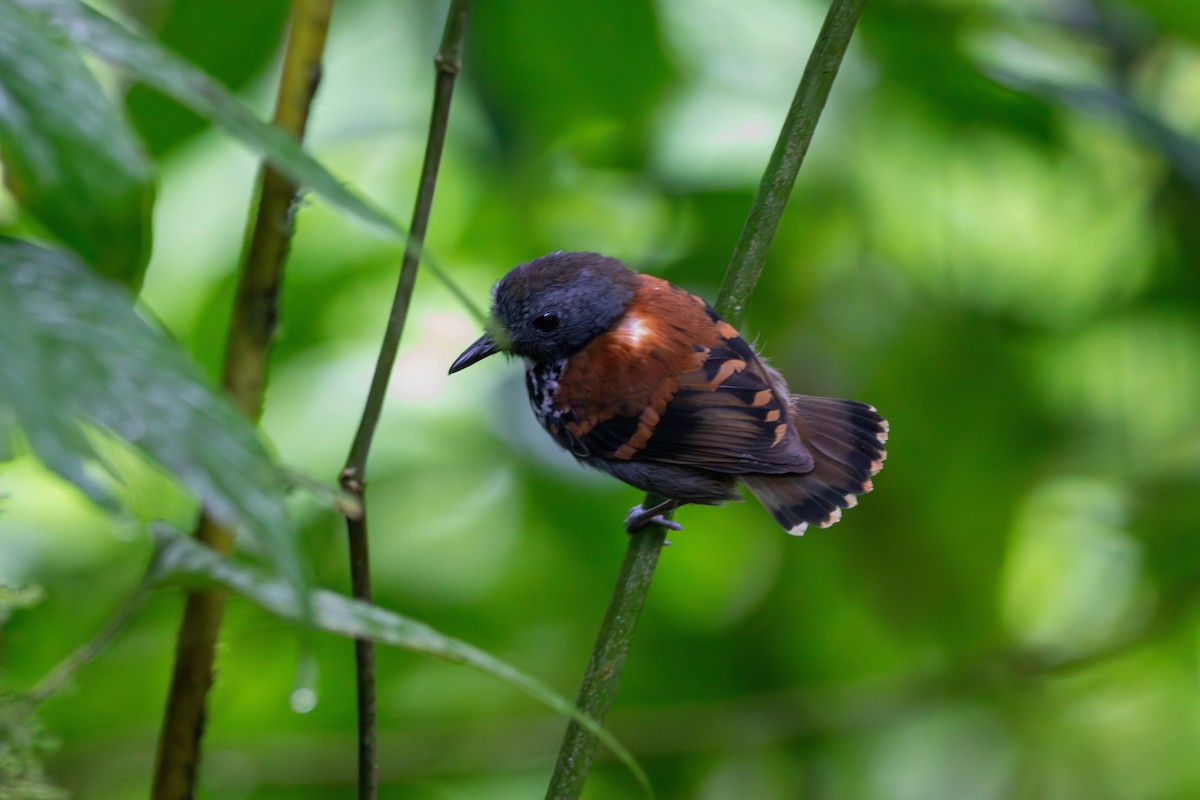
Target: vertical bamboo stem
[(251, 330)]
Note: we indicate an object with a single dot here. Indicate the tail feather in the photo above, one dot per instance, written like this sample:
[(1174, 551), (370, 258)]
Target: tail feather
[(847, 440)]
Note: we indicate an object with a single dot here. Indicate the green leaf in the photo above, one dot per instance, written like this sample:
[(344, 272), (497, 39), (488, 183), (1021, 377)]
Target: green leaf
[(1176, 17), (69, 157), (232, 42), (599, 69), (1180, 151), (12, 597), (944, 82), (173, 76), (177, 555), (176, 78), (77, 355), (23, 742)]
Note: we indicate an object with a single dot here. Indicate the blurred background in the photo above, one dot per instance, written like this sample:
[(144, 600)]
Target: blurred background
[(994, 240)]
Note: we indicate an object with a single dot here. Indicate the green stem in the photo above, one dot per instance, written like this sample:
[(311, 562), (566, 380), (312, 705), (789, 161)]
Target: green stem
[(633, 582), (608, 660), (750, 253), (251, 330), (448, 63)]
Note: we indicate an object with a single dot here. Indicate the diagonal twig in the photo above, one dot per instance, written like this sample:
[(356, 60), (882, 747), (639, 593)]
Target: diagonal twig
[(633, 581)]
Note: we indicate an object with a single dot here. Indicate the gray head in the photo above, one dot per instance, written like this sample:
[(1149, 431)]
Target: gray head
[(549, 308)]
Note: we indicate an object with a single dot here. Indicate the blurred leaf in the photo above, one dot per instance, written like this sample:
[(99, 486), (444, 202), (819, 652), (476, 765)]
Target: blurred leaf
[(231, 40), (12, 597), (22, 742), (69, 158), (76, 353), (944, 81), (150, 63), (1175, 16), (1181, 152), (173, 76), (1071, 582), (1136, 380), (178, 555), (596, 73), (20, 596)]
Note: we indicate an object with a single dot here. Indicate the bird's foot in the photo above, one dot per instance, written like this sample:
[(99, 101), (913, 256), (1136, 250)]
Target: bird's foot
[(639, 517)]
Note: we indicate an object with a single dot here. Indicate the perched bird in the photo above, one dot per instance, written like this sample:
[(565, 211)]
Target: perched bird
[(645, 381)]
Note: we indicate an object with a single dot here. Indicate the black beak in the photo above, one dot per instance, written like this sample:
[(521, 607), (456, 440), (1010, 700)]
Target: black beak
[(484, 346)]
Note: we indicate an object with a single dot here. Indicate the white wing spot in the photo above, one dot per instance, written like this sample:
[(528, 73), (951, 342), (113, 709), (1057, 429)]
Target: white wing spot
[(634, 330)]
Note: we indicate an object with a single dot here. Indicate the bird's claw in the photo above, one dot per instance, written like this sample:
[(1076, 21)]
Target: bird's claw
[(639, 518), (659, 519)]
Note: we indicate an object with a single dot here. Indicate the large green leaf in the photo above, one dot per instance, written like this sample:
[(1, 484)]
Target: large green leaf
[(173, 76), (153, 65), (231, 40), (69, 157), (76, 355), (597, 67), (177, 555)]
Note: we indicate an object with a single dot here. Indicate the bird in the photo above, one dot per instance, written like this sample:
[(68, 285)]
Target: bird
[(645, 381)]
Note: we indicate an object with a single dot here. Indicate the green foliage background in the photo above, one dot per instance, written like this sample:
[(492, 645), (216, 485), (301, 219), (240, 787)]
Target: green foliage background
[(994, 241)]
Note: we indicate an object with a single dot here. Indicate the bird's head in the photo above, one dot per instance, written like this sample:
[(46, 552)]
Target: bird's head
[(549, 308)]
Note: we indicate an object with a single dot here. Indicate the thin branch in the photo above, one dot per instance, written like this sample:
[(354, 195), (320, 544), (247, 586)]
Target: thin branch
[(251, 330), (633, 582), (750, 253), (448, 63), (608, 659)]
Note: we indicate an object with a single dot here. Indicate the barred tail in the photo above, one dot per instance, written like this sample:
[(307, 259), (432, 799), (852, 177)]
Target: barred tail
[(846, 439)]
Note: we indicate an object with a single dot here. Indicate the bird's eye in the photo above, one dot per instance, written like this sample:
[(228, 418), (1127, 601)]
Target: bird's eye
[(546, 322)]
